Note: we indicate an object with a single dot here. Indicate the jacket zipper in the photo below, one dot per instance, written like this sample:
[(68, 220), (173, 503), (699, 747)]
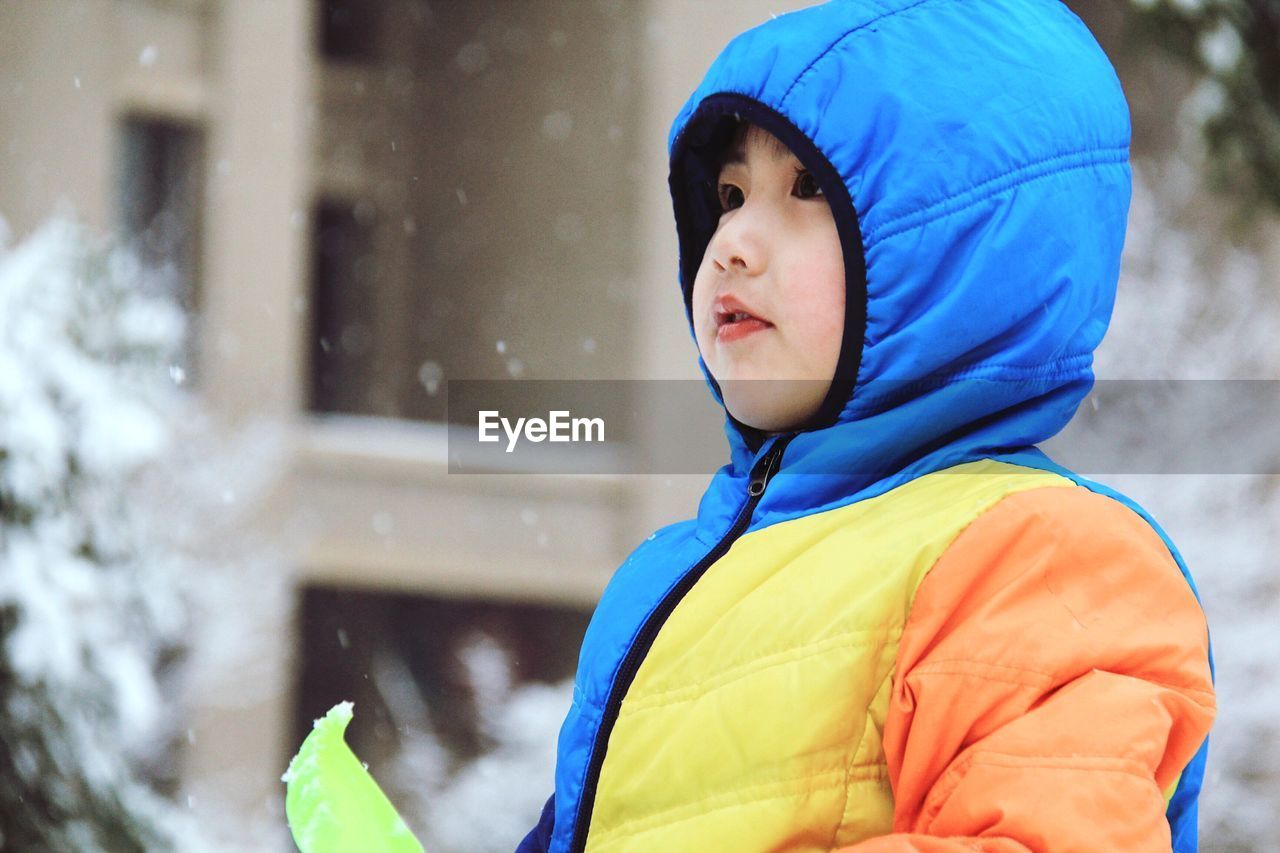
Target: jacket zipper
[(760, 476)]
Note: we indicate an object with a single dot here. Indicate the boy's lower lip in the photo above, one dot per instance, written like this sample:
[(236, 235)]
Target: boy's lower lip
[(730, 332)]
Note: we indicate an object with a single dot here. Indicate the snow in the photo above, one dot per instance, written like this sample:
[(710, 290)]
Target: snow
[(1192, 306), (473, 57), (557, 125), (431, 374), (115, 558), (450, 806), (84, 399), (1221, 48)]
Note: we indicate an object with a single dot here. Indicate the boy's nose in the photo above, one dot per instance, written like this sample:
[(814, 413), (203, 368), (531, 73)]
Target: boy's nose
[(739, 243)]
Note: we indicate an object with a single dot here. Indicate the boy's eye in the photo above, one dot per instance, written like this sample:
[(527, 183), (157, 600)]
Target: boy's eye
[(807, 184), (730, 197)]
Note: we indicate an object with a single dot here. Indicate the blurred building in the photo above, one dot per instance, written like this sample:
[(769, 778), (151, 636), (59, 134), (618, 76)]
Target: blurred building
[(360, 201)]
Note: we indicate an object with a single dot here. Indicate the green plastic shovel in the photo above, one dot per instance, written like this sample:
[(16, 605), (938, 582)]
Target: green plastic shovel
[(333, 804)]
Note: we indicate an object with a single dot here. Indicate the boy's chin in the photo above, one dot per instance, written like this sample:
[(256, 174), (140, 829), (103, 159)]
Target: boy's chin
[(773, 405)]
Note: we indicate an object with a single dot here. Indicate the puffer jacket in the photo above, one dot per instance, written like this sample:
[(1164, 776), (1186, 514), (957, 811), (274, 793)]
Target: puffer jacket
[(903, 626)]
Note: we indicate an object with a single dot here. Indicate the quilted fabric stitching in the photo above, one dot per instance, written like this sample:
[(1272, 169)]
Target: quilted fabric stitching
[(1021, 175), (654, 819), (842, 40), (650, 701), (947, 785), (959, 666)]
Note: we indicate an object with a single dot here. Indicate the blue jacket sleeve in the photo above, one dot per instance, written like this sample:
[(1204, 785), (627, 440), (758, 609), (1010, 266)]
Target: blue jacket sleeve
[(539, 838)]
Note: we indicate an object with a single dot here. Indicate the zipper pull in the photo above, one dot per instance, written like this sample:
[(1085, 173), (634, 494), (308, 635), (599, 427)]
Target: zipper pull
[(761, 479)]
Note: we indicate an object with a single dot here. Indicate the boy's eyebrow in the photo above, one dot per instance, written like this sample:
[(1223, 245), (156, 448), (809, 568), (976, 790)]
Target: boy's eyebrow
[(736, 157)]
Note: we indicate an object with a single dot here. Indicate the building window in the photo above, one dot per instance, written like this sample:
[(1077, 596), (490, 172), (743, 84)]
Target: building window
[(500, 144), (438, 671), (348, 29), (158, 200), (342, 321)]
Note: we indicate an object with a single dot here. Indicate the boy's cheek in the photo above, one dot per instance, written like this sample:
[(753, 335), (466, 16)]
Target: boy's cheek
[(702, 326), (706, 338), (706, 348)]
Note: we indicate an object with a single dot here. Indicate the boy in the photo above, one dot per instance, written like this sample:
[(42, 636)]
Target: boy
[(895, 624)]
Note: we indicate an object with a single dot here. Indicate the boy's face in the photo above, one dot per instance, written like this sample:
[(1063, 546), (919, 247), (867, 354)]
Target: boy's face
[(775, 255)]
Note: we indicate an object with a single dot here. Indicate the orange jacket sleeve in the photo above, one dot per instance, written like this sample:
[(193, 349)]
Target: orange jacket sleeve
[(1052, 682)]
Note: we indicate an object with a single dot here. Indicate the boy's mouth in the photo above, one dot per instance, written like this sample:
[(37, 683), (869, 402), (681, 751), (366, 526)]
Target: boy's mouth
[(737, 329), (734, 320)]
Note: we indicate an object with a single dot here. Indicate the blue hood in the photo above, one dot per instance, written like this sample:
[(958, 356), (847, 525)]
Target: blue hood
[(976, 157)]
